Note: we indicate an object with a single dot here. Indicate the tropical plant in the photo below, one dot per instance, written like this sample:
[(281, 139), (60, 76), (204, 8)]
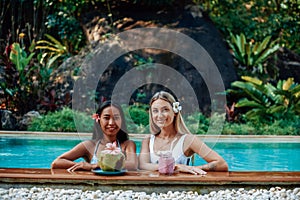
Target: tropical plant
[(54, 51), (265, 101), (231, 114), (19, 57), (18, 84), (25, 77), (252, 55)]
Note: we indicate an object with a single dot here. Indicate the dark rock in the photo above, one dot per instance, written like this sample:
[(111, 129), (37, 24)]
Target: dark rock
[(190, 21), (288, 63), (8, 121), (27, 118)]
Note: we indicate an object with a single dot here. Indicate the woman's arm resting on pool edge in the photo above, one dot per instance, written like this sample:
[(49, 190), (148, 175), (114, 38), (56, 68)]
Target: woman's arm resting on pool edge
[(131, 162), (144, 157), (214, 161), (66, 160)]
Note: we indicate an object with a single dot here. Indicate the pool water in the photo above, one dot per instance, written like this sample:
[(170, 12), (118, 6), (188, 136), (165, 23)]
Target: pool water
[(30, 152)]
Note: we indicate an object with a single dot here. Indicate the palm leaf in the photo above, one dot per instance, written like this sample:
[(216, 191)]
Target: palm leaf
[(250, 90), (55, 41), (247, 103), (247, 55), (53, 59), (49, 48), (269, 91), (276, 109), (237, 47), (255, 114), (44, 42), (264, 44), (266, 53), (252, 80), (242, 43)]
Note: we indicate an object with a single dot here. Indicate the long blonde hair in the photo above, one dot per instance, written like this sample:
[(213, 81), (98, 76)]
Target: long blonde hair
[(179, 124)]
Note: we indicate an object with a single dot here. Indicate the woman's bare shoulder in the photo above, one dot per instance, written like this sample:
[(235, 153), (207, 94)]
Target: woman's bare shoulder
[(147, 137), (191, 138), (129, 142), (88, 143)]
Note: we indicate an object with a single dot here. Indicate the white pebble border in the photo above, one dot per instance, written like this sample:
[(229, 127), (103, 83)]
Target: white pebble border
[(273, 193)]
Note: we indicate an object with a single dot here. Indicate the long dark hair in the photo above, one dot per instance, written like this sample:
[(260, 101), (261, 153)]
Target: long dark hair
[(122, 135)]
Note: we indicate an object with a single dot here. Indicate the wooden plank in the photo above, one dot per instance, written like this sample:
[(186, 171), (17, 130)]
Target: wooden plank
[(146, 181)]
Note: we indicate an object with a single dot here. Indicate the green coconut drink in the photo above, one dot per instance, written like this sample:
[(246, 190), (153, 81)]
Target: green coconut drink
[(112, 158)]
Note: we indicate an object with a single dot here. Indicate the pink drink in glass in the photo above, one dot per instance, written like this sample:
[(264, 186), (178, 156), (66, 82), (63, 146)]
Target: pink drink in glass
[(166, 163)]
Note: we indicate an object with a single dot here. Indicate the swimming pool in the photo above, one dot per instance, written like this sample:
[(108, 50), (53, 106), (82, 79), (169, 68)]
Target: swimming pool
[(40, 151)]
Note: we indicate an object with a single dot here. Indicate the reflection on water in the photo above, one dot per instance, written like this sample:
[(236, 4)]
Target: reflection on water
[(259, 156), (40, 152)]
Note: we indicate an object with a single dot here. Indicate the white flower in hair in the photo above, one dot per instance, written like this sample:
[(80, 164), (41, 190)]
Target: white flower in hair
[(176, 107)]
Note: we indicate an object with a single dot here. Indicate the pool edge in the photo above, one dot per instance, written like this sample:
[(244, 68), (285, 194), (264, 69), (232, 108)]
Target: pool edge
[(146, 180), (205, 138)]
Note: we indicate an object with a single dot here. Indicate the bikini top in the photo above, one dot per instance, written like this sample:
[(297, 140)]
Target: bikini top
[(177, 152), (94, 159)]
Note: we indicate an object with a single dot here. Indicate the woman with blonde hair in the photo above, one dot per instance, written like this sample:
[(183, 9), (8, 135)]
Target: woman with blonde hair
[(169, 133)]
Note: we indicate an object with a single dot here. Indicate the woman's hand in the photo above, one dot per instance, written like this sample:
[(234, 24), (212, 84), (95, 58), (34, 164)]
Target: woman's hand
[(82, 165), (189, 169)]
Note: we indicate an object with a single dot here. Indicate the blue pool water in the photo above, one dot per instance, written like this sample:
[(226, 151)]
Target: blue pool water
[(32, 152)]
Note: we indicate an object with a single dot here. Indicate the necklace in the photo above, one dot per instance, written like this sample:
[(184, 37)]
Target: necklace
[(104, 142), (161, 145), (169, 139)]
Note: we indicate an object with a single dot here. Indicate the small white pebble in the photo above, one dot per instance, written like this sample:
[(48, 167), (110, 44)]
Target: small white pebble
[(274, 193)]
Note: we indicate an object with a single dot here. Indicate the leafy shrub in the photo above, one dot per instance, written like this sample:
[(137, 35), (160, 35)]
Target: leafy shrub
[(137, 118), (252, 55), (54, 51), (197, 123), (266, 102), (239, 129), (278, 127), (18, 85), (139, 114), (258, 19), (62, 121)]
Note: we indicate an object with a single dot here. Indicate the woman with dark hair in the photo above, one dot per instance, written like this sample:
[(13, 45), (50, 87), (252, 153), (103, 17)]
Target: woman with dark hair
[(109, 127)]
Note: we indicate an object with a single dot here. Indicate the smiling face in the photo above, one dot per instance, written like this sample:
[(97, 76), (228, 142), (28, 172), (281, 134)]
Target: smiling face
[(110, 121), (162, 113)]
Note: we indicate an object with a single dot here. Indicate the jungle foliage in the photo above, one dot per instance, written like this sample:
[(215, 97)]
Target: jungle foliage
[(37, 36), (267, 102)]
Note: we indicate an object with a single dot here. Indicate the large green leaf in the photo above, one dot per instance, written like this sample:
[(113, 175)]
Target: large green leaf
[(250, 90), (255, 114), (263, 45), (19, 57), (252, 80), (242, 44), (276, 109), (295, 90), (265, 54), (248, 103), (15, 56), (269, 91), (55, 41)]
